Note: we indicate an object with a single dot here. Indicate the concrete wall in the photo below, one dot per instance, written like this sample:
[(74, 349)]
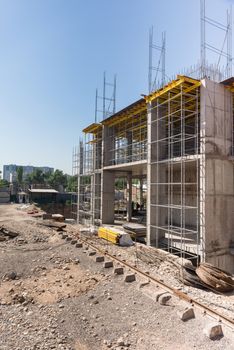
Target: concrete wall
[(4, 195), (218, 187), (108, 153), (108, 197)]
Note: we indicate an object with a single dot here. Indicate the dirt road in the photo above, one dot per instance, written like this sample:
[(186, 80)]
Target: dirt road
[(55, 296)]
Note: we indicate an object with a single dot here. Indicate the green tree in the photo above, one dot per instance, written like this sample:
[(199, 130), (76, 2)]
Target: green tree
[(20, 175), (120, 183), (57, 179), (72, 183), (3, 183), (36, 178)]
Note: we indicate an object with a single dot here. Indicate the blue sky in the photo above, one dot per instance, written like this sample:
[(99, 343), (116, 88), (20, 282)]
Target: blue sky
[(52, 57)]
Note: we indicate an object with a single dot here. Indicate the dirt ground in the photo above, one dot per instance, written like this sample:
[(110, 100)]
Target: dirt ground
[(55, 296)]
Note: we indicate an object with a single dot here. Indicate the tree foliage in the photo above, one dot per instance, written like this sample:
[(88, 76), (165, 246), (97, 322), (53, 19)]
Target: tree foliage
[(57, 179), (20, 174), (72, 183), (36, 178), (4, 183)]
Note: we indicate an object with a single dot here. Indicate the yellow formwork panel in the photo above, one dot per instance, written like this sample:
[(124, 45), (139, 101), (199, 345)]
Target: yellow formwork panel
[(173, 85), (108, 234), (92, 128)]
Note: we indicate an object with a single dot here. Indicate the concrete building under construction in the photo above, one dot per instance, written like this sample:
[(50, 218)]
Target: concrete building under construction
[(178, 143)]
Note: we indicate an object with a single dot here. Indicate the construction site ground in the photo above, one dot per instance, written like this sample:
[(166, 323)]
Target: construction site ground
[(55, 296)]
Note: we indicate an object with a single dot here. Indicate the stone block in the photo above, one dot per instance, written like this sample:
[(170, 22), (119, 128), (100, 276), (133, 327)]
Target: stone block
[(143, 284), (130, 277), (108, 264), (73, 241), (91, 253), (119, 270), (164, 298), (99, 258), (187, 314), (213, 331), (159, 293)]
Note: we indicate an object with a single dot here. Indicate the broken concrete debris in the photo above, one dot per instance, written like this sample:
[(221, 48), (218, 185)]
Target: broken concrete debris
[(164, 298), (187, 314), (7, 234), (213, 331)]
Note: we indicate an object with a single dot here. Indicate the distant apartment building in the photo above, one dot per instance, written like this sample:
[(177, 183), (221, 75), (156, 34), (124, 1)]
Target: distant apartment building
[(10, 171)]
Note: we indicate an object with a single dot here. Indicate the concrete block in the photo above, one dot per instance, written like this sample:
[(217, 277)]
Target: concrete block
[(108, 264), (68, 239), (99, 258), (213, 331), (119, 270), (79, 245), (187, 314), (159, 293), (91, 253), (130, 277), (143, 284), (73, 241), (164, 298), (64, 236)]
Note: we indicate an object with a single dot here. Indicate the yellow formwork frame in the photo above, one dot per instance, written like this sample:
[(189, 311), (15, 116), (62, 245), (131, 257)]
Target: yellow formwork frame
[(173, 85)]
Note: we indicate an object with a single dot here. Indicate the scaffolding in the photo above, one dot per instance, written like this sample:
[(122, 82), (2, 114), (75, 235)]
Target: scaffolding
[(108, 100), (89, 176), (126, 135), (174, 161), (222, 54), (156, 64), (75, 169)]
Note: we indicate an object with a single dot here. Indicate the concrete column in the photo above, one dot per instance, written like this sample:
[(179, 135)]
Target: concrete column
[(141, 191), (149, 117), (218, 233), (129, 143), (129, 196), (92, 198), (108, 197), (108, 148)]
